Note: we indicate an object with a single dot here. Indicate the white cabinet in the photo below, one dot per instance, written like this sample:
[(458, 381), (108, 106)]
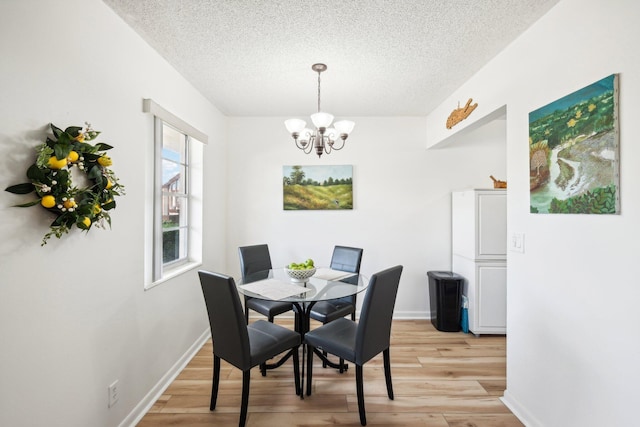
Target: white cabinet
[(479, 235)]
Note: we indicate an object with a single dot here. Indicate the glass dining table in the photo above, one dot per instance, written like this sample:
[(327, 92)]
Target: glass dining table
[(325, 284)]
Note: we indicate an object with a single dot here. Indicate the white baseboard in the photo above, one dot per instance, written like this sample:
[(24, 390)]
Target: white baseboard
[(147, 402), (519, 410), (411, 315)]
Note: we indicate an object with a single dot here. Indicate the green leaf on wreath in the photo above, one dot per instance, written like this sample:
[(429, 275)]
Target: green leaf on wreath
[(101, 146), (94, 173), (109, 206), (73, 130), (64, 138), (25, 188), (89, 157), (34, 173), (91, 135), (63, 176), (56, 131), (62, 150), (26, 205)]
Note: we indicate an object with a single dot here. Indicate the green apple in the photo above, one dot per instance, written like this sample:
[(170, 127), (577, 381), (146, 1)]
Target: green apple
[(307, 265)]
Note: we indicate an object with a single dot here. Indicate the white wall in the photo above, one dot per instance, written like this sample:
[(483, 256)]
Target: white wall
[(73, 314), (402, 202), (572, 344)]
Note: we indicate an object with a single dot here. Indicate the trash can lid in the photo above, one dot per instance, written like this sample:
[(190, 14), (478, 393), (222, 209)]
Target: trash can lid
[(445, 275)]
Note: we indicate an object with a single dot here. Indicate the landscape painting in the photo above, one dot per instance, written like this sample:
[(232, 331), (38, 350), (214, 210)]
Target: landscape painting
[(317, 187), (574, 154)]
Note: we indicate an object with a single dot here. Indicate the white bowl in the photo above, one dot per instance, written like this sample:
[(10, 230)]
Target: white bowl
[(300, 275)]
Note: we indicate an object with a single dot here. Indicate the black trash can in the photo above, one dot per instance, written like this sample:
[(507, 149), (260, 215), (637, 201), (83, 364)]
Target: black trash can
[(445, 294)]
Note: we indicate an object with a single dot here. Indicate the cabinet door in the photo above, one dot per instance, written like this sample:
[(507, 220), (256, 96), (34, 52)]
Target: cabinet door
[(491, 225), (492, 297)]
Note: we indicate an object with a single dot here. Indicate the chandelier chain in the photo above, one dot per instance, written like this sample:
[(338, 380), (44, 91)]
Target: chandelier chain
[(318, 91)]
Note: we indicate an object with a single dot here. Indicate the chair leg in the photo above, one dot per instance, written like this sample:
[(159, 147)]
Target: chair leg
[(215, 382), (360, 391), (246, 376), (309, 369), (324, 364), (296, 370), (246, 310), (387, 373)]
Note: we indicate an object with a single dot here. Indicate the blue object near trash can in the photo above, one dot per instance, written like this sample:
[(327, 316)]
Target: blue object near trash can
[(464, 315), (445, 292)]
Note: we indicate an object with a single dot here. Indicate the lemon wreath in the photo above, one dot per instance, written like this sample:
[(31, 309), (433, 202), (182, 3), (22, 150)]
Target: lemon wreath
[(51, 179)]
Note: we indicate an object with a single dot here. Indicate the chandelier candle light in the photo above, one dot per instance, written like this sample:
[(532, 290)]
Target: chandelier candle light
[(323, 137)]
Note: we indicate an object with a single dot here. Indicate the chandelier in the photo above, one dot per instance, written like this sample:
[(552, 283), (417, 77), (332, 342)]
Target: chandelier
[(324, 137)]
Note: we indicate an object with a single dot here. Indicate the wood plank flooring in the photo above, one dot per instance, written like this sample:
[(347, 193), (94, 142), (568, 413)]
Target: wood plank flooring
[(440, 379)]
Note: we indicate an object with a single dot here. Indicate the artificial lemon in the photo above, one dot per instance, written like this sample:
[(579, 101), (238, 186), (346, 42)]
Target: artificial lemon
[(109, 184), (86, 221), (73, 156), (48, 201), (105, 161), (54, 163), (96, 209), (69, 204)]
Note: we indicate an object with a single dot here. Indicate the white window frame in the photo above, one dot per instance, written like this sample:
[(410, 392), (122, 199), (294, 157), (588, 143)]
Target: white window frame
[(156, 270)]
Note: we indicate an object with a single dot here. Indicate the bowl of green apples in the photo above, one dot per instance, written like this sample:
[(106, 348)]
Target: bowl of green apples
[(300, 272)]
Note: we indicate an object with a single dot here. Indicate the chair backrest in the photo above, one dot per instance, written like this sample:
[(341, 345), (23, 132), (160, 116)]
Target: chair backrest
[(226, 319), (374, 326), (254, 258), (347, 259)]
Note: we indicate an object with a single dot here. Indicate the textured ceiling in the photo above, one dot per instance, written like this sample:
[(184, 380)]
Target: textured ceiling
[(384, 57)]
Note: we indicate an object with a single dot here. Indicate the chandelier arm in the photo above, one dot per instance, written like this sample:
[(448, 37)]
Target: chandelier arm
[(327, 147), (309, 147), (344, 142), (305, 148)]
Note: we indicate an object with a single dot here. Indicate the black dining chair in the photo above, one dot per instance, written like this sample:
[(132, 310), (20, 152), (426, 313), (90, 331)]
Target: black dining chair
[(243, 346), (254, 259), (360, 342), (346, 259)]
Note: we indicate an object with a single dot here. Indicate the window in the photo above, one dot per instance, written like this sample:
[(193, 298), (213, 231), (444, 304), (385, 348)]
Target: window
[(172, 223), (175, 244)]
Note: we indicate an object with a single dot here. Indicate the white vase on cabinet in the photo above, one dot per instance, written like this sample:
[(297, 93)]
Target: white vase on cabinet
[(479, 237)]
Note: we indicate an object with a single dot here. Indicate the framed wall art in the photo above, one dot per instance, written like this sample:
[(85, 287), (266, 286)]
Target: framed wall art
[(317, 187), (574, 153)]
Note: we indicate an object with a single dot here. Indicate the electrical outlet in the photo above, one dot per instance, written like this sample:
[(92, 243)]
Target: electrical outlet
[(114, 393)]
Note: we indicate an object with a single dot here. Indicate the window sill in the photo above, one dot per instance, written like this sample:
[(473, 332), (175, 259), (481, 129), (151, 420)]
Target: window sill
[(174, 272)]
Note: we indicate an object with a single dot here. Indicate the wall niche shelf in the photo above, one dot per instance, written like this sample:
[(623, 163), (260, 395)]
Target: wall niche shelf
[(458, 137)]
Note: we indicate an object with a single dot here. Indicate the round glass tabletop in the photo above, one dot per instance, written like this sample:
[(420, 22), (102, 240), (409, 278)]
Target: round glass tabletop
[(325, 284)]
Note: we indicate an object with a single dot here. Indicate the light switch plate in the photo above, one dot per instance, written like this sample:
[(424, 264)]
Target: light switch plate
[(516, 243)]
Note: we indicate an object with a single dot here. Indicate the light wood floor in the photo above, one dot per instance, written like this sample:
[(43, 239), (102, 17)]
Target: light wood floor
[(440, 379)]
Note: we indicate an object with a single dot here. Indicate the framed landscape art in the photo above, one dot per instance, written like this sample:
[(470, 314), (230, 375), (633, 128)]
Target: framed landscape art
[(574, 153), (317, 187)]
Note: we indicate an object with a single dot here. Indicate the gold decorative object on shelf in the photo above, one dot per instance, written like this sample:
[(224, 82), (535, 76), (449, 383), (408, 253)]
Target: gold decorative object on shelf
[(497, 183), (459, 114)]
